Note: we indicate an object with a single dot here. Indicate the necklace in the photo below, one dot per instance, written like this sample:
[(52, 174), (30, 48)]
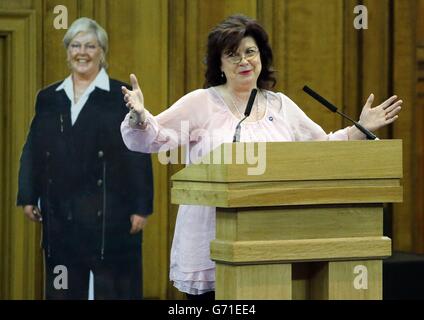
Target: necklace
[(238, 110), (235, 106)]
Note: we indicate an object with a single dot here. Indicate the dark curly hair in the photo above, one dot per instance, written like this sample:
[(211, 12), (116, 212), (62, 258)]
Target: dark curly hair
[(227, 36)]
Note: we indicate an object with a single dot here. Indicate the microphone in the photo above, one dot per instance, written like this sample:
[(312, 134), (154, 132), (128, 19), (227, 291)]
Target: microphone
[(250, 102), (236, 137), (333, 108)]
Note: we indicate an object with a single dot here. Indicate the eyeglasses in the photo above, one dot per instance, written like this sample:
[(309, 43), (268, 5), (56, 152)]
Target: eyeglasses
[(78, 46), (249, 54)]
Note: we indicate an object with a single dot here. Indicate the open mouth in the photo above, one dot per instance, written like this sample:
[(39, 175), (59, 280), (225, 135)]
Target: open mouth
[(82, 61)]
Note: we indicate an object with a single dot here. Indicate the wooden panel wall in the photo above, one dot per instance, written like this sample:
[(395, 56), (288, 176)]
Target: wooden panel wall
[(404, 84), (375, 50), (163, 42), (419, 131), (20, 273), (3, 222), (313, 54)]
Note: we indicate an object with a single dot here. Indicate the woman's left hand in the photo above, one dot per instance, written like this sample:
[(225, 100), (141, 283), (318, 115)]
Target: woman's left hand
[(380, 116)]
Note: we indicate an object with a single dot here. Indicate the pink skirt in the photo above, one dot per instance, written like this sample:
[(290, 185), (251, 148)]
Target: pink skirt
[(198, 282)]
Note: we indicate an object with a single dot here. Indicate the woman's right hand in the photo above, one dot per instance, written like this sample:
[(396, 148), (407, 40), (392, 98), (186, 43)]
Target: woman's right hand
[(134, 98), (33, 213)]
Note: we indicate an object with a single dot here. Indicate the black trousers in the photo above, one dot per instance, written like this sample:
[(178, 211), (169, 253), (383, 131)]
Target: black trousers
[(116, 277)]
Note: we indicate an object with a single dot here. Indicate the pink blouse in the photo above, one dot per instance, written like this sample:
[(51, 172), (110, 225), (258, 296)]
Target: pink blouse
[(202, 120)]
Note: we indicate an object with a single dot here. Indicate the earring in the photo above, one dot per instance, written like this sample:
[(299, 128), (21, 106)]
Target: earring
[(222, 75)]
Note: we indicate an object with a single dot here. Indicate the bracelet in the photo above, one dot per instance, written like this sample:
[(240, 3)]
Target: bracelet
[(135, 119)]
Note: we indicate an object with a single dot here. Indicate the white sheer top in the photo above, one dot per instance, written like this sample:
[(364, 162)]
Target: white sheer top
[(202, 120)]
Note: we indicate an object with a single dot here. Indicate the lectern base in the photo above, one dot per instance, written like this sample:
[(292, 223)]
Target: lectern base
[(345, 280)]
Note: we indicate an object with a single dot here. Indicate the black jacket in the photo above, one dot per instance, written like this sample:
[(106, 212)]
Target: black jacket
[(87, 181)]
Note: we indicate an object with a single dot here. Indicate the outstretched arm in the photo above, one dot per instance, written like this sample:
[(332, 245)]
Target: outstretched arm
[(135, 102), (167, 130), (378, 117)]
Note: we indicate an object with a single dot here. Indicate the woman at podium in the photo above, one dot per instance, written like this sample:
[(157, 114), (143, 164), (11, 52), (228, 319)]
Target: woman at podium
[(238, 60)]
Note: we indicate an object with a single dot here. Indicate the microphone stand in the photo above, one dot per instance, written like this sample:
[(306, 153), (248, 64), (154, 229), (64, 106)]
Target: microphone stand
[(236, 137), (333, 108)]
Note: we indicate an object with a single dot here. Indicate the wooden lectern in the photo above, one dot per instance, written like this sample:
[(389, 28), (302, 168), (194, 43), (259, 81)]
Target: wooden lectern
[(309, 227)]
